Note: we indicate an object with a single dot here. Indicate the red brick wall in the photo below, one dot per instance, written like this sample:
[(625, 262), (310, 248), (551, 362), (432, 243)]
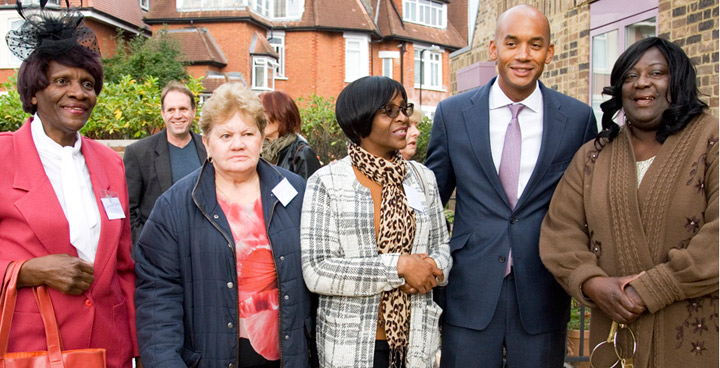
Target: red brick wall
[(314, 63), (106, 37)]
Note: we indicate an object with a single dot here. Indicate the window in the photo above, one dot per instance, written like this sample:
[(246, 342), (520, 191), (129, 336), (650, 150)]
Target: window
[(609, 38), (387, 67), (263, 73), (428, 71), (262, 7), (288, 9), (192, 5), (356, 56), (271, 9), (387, 61), (145, 4), (277, 41), (425, 12)]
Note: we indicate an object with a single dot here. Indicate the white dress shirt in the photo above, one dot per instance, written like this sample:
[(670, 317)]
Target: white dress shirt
[(86, 240), (531, 128)]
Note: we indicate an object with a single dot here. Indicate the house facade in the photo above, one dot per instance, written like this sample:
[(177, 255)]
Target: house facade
[(318, 46), (104, 17), (590, 35)]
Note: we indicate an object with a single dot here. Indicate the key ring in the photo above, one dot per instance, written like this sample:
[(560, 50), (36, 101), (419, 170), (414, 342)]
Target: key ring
[(615, 328)]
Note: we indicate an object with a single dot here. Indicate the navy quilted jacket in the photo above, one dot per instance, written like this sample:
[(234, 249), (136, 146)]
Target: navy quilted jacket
[(186, 296)]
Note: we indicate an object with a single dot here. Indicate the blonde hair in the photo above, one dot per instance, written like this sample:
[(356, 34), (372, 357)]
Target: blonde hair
[(229, 99), (417, 115)]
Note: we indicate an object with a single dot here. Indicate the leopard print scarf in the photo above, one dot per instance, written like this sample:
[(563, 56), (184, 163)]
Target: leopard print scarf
[(396, 235)]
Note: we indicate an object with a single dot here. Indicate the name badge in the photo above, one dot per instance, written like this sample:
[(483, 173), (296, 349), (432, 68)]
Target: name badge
[(111, 202), (284, 192), (413, 198)]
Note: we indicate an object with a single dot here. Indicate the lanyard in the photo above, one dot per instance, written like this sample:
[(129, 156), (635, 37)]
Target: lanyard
[(625, 362)]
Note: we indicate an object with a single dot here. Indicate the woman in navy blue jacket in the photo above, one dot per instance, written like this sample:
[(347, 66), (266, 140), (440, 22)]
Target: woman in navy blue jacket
[(219, 279)]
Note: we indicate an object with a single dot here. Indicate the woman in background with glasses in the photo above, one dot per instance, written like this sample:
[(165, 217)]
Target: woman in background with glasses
[(373, 238)]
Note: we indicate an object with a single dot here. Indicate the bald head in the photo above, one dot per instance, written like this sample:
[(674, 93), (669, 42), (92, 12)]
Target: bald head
[(522, 13), (521, 48)]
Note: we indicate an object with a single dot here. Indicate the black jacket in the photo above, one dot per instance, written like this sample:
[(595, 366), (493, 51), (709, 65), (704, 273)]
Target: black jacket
[(148, 174), (299, 158), (186, 298)]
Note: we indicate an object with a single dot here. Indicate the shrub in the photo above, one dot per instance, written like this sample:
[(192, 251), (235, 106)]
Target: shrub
[(321, 128), (12, 116), (141, 57)]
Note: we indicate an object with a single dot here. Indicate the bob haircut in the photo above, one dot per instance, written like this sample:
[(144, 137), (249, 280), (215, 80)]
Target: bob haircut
[(682, 92), (280, 108), (32, 76), (226, 101), (178, 87), (358, 103)]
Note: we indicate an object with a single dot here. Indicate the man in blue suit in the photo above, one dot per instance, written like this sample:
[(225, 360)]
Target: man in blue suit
[(504, 166)]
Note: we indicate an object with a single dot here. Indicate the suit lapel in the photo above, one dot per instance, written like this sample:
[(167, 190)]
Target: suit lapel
[(477, 123), (554, 121), (40, 206), (161, 162)]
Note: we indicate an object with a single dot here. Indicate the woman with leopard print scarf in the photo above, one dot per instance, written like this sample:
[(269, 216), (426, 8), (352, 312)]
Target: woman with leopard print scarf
[(373, 238)]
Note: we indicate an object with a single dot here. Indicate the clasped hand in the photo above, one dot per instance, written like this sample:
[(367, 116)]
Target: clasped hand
[(420, 272), (68, 274), (615, 297)]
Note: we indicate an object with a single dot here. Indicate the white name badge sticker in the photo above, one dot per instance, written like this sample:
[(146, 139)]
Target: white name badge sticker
[(413, 198), (284, 192), (113, 208)]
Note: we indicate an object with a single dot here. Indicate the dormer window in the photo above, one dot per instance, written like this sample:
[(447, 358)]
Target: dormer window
[(425, 12)]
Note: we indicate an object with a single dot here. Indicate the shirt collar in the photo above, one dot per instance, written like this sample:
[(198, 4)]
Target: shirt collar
[(498, 98), (45, 144)]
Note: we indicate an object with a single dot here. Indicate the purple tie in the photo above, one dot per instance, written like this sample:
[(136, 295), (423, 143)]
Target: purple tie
[(510, 164)]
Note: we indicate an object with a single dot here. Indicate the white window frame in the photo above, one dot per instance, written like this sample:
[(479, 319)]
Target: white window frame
[(387, 58), (432, 68), (294, 9), (267, 64), (212, 5), (357, 55), (277, 41), (425, 12), (145, 4)]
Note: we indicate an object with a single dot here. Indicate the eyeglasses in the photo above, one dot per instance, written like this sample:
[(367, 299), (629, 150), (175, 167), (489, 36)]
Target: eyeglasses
[(624, 358), (392, 111)]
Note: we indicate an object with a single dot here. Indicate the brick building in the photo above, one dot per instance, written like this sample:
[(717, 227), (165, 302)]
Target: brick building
[(317, 46), (104, 17), (590, 34)]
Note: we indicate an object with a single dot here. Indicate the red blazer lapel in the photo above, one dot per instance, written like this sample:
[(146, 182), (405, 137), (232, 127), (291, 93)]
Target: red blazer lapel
[(40, 205)]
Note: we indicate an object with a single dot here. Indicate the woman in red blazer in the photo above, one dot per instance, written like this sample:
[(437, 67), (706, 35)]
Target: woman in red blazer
[(64, 204)]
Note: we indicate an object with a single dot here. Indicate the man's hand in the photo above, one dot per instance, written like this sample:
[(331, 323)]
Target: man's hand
[(68, 274)]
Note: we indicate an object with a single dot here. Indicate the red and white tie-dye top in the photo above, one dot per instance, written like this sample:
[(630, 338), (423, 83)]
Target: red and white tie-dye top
[(257, 280)]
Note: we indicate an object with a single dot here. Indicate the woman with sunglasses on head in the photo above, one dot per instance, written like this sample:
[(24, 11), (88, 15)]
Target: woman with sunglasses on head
[(373, 238)]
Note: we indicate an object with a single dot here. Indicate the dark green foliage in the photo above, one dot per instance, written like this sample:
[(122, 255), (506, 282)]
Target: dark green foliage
[(140, 57), (321, 129)]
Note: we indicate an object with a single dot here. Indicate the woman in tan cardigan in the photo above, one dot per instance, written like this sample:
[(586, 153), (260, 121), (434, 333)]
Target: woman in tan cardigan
[(632, 229)]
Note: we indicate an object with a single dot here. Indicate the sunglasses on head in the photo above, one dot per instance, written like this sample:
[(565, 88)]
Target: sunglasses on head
[(392, 111)]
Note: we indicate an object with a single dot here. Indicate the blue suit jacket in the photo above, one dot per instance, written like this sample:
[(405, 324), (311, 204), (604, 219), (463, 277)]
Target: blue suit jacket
[(485, 226)]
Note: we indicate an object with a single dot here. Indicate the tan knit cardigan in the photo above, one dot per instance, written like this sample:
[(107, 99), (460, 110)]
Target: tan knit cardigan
[(600, 223)]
